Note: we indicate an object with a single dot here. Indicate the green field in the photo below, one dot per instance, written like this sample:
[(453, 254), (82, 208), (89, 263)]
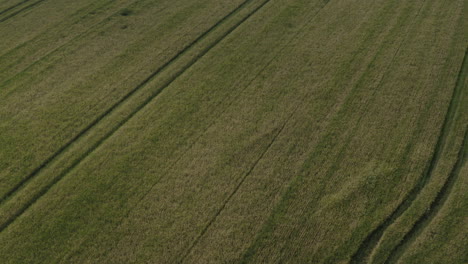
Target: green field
[(242, 131)]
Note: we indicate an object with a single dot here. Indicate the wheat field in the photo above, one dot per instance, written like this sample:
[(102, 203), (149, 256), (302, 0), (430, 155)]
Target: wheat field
[(242, 131)]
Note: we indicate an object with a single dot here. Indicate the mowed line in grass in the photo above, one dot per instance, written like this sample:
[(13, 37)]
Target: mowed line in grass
[(112, 129), (237, 187), (289, 119), (260, 157)]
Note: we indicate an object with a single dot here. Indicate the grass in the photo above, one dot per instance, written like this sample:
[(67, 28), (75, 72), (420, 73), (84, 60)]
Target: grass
[(257, 131)]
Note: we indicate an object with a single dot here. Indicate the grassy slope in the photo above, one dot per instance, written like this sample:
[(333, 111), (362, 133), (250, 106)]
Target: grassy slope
[(292, 153)]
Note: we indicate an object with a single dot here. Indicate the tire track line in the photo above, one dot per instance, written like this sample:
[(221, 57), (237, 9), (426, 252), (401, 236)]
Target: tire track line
[(13, 6), (11, 219), (123, 100), (21, 10), (434, 208), (446, 189), (374, 237)]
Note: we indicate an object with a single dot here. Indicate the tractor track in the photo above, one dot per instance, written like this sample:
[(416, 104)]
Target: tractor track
[(435, 206), (371, 241), (44, 190), (446, 189), (19, 11), (13, 6)]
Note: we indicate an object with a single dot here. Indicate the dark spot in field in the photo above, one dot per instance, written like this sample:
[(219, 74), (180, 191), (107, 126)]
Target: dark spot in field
[(124, 27), (126, 12)]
